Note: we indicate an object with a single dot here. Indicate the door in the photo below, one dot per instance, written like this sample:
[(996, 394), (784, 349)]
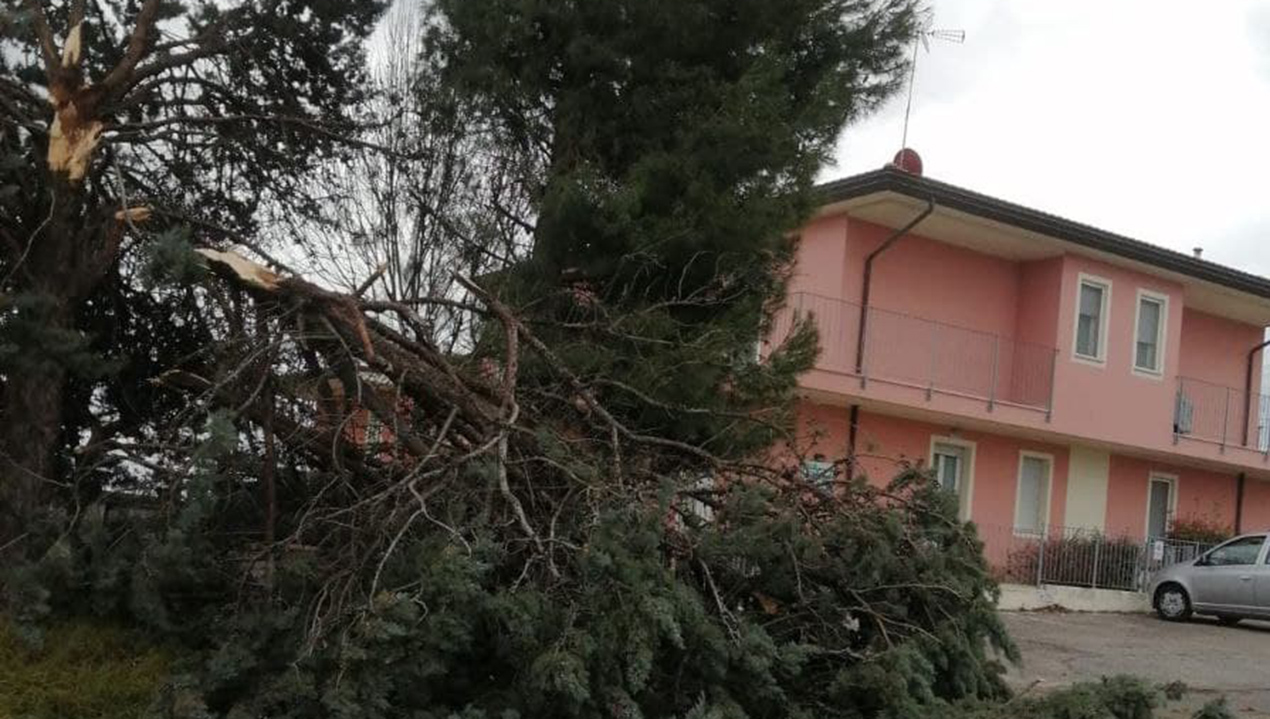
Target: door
[(1224, 578), (1159, 507)]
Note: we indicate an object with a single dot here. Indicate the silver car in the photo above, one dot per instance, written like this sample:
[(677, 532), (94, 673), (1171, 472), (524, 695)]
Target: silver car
[(1230, 581)]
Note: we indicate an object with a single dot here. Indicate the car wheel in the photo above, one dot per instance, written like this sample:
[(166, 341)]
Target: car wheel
[(1172, 603), (1228, 621)]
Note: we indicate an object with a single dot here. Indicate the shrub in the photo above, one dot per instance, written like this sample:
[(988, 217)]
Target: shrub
[(1083, 560), (1119, 697), (1200, 530)]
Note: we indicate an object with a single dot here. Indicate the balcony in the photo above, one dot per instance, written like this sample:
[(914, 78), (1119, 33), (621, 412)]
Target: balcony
[(929, 355), (1218, 414)]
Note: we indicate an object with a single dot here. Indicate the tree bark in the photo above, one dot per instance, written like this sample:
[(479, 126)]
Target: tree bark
[(62, 264), (30, 428)]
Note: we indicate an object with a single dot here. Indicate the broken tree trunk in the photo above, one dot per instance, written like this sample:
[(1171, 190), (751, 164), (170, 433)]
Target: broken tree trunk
[(61, 263)]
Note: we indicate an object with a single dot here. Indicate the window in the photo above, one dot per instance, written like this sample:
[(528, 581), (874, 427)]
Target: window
[(1236, 553), (953, 463), (1161, 497), (819, 473), (696, 507), (950, 463), (1031, 505), (1148, 345), (1091, 319), (373, 433)]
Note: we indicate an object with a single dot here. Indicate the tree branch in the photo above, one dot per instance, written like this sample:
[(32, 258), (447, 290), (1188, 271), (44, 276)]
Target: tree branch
[(44, 34), (138, 42)]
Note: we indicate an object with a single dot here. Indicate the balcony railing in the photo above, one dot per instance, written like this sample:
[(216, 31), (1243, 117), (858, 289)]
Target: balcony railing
[(923, 353), (1216, 413)]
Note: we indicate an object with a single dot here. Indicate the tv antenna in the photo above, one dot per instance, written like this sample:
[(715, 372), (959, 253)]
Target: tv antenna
[(922, 40)]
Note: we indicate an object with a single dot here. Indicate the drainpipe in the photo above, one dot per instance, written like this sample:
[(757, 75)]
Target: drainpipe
[(1239, 504), (853, 421), (868, 277), (1252, 354)]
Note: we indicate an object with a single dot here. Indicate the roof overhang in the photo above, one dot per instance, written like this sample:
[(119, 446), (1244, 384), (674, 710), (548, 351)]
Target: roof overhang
[(892, 197)]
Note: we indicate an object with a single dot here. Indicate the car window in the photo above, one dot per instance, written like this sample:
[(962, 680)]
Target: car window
[(1237, 552)]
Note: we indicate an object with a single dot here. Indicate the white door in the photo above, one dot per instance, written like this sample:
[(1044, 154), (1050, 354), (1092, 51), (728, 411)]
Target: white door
[(1031, 506), (1159, 507)]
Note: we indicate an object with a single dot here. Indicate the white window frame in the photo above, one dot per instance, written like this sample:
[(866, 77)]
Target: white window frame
[(818, 481), (1045, 500), (966, 500), (1104, 317), (1161, 333), (696, 507), (1171, 479)]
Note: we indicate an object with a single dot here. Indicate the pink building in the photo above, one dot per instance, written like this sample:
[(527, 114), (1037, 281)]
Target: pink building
[(1054, 375)]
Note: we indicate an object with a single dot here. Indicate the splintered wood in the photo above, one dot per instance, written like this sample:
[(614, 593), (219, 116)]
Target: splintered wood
[(72, 137), (248, 272)]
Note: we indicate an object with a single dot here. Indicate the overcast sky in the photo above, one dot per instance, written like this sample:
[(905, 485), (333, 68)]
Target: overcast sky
[(1150, 118)]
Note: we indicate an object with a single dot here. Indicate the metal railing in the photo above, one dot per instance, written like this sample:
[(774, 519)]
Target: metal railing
[(1216, 413), (1081, 558), (924, 353)]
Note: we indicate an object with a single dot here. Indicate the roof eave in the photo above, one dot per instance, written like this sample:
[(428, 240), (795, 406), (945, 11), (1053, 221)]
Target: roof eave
[(973, 203)]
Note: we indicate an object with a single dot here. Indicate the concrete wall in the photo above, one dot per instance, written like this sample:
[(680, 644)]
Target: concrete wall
[(1200, 495), (1019, 597), (1107, 401), (1040, 286), (1029, 305), (821, 264), (1215, 349), (922, 277), (1256, 509), (886, 445), (1090, 487)]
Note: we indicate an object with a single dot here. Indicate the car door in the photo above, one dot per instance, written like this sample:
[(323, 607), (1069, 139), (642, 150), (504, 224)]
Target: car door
[(1261, 580), (1224, 578)]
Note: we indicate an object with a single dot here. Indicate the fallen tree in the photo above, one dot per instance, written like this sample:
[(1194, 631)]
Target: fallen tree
[(501, 547)]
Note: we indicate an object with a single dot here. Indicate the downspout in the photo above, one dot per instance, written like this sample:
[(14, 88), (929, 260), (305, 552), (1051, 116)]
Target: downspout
[(1239, 504), (1252, 353), (868, 281), (853, 420)]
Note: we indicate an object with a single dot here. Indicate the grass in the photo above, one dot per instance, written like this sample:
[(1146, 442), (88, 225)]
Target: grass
[(84, 668)]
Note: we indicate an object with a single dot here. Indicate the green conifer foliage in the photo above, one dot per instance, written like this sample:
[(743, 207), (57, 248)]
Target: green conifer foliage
[(122, 121), (779, 606), (673, 145)]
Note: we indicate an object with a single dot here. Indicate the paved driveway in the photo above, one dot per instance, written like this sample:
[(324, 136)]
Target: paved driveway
[(1060, 649)]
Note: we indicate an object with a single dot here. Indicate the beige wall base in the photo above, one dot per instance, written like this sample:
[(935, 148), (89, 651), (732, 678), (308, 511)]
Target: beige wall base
[(1021, 597)]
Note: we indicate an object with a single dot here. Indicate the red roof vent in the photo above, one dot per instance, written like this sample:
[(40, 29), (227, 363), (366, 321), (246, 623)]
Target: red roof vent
[(909, 161)]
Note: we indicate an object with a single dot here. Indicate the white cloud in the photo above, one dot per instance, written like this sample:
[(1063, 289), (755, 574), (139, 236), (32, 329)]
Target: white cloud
[(1145, 117)]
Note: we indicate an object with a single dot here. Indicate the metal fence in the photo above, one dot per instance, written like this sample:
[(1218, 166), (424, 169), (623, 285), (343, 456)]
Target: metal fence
[(1081, 558), (923, 353), (1218, 413)]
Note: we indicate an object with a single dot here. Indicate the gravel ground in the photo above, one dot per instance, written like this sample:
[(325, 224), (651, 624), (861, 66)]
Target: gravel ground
[(1063, 648)]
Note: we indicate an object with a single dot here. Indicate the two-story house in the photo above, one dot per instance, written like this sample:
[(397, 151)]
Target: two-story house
[(1052, 374)]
